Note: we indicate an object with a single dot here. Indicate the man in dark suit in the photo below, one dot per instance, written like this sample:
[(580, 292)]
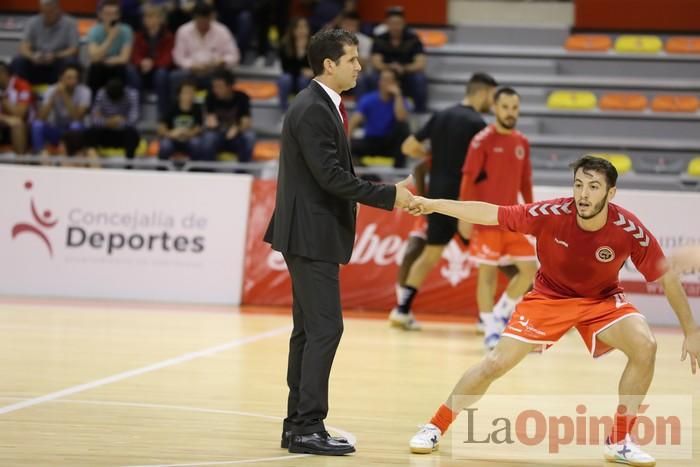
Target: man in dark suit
[(313, 225)]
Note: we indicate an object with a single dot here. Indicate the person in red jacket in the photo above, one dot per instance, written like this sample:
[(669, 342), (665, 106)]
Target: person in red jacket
[(152, 57)]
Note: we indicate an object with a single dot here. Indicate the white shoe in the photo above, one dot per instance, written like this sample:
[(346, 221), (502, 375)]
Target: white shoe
[(627, 452), (426, 440), (405, 321), (491, 340), (480, 326)]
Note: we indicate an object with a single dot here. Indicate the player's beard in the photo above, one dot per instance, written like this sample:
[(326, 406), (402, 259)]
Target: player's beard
[(596, 209), (506, 124)]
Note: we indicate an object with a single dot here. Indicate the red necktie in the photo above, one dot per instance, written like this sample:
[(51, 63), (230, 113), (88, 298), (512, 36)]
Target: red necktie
[(344, 114)]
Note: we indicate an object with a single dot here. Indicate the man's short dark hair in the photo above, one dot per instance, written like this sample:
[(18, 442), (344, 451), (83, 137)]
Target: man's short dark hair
[(185, 83), (202, 9), (505, 91), (328, 43), (593, 163), (395, 10), (110, 3), (224, 75), (73, 66), (479, 81)]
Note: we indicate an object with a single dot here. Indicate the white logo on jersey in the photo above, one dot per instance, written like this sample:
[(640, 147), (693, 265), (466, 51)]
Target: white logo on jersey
[(630, 226), (547, 209), (561, 242), (604, 254)]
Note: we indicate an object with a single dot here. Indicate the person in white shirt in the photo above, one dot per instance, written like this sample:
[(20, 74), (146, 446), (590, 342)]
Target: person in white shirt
[(202, 47)]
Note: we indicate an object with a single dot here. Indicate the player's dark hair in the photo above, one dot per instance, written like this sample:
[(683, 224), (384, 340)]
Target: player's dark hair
[(596, 164), (505, 90), (328, 43), (479, 81), (394, 11)]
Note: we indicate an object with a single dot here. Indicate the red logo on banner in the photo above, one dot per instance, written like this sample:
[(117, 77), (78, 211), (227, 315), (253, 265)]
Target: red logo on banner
[(43, 222), (369, 281)]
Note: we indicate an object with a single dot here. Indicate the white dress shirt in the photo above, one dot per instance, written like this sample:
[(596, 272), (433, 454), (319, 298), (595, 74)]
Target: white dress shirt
[(335, 97)]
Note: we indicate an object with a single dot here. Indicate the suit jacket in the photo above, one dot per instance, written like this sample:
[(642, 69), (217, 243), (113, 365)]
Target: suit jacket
[(317, 189)]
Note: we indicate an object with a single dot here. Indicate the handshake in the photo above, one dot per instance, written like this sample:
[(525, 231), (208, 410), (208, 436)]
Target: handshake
[(416, 205)]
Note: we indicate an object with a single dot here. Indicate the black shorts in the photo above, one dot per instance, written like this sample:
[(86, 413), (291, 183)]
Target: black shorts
[(441, 229)]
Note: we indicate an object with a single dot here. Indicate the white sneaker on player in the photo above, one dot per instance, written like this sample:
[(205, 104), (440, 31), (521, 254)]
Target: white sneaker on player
[(405, 321), (426, 440), (627, 452), (491, 340), (480, 326)]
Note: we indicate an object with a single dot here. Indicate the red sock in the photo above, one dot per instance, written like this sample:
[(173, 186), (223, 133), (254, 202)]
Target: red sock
[(623, 425), (443, 418)]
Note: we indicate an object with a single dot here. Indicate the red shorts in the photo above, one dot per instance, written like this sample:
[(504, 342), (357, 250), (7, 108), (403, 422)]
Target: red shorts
[(542, 320), (496, 246), (420, 228)]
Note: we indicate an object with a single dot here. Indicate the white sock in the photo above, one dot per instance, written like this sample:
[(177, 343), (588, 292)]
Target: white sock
[(490, 325), (505, 306)]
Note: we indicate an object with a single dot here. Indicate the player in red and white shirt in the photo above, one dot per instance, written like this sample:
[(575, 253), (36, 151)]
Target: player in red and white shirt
[(15, 103), (497, 170), (582, 242)]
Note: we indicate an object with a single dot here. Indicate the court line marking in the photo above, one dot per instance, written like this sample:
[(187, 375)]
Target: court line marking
[(241, 341), (185, 408)]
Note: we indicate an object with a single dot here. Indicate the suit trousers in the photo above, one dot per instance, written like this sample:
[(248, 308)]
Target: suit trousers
[(318, 326)]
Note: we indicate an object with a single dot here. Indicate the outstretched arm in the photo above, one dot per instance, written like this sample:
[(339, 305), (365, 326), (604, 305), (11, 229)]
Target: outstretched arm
[(673, 289), (475, 212)]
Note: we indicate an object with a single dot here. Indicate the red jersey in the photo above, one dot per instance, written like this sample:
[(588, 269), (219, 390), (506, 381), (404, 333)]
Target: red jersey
[(497, 168), (18, 91), (579, 263)]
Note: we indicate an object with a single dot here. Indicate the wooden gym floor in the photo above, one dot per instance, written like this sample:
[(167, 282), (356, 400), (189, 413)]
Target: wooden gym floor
[(113, 384)]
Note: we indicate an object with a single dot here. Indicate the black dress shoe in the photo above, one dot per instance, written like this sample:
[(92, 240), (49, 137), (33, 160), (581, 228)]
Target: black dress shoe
[(284, 444), (320, 443)]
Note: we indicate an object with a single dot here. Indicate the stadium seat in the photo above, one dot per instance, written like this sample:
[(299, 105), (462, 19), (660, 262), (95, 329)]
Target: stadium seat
[(266, 151), (227, 157), (577, 100), (588, 43), (694, 167), (257, 89), (84, 25), (666, 103), (432, 37), (615, 101), (622, 162), (638, 44), (683, 45), (39, 89), (377, 161), (110, 152)]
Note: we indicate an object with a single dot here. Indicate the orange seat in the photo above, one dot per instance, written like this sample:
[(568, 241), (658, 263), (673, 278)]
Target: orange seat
[(675, 104), (153, 148), (432, 37), (614, 101), (683, 45), (84, 25), (257, 89), (266, 150), (588, 43)]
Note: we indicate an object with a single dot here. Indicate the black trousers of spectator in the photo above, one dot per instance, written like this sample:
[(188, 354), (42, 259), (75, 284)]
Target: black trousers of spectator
[(99, 74), (387, 145), (37, 73), (126, 137)]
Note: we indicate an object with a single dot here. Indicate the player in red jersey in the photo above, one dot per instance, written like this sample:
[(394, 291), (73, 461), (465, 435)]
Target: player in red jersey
[(497, 170), (582, 242)]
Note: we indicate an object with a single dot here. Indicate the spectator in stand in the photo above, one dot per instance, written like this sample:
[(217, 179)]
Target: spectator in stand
[(296, 72), (109, 46), (114, 118), (181, 127), (402, 51), (15, 105), (202, 47), (350, 21), (49, 43), (61, 117), (228, 126), (152, 57), (238, 15), (384, 114)]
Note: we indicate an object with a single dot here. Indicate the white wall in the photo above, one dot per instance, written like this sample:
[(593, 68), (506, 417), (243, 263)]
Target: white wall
[(518, 13)]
